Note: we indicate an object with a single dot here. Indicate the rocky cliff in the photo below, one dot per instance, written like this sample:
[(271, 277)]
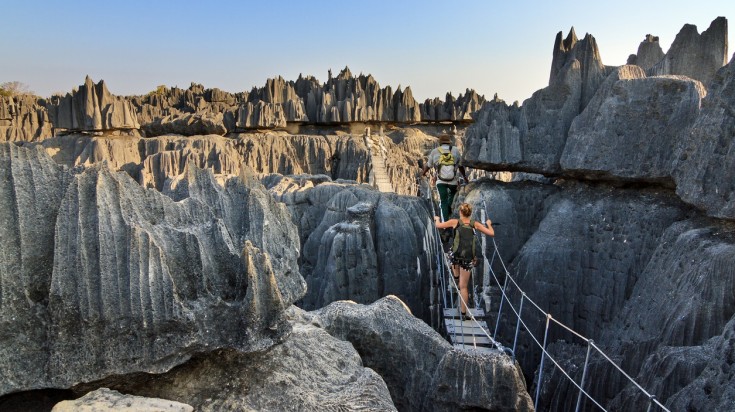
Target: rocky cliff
[(632, 246), (343, 99), (111, 278), (695, 55), (92, 108), (23, 118), (360, 244)]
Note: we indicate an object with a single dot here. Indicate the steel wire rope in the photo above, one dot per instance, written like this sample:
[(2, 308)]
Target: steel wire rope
[(546, 353), (651, 397)]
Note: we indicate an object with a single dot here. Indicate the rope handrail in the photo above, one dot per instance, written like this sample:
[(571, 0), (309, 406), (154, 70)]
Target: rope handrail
[(536, 341), (496, 251), (443, 268)]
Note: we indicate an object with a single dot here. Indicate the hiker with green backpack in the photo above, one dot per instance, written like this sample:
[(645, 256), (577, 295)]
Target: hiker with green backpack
[(463, 248), (445, 159)]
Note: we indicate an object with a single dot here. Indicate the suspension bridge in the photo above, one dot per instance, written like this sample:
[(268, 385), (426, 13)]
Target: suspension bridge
[(472, 334)]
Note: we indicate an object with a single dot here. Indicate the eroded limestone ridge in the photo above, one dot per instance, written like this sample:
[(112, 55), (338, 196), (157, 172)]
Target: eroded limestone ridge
[(105, 277), (343, 99), (623, 124)]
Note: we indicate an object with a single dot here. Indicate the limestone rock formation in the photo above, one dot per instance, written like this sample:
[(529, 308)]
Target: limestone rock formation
[(714, 387), (360, 244), (139, 282), (92, 108), (531, 138), (186, 125), (432, 375), (31, 189), (679, 336), (310, 370), (588, 252), (649, 53), (196, 101), (462, 107), (155, 161), (705, 170), (632, 128), (344, 99), (23, 118), (104, 399), (694, 55)]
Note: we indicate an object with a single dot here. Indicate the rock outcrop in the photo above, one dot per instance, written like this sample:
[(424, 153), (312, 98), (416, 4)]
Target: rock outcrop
[(649, 53), (92, 108), (432, 375), (632, 129), (104, 399), (460, 108), (155, 162), (310, 369), (23, 118), (139, 282), (694, 55), (531, 138), (705, 170), (186, 125), (627, 127), (360, 244)]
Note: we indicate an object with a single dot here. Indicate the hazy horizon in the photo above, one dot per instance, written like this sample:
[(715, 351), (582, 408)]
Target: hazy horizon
[(433, 47)]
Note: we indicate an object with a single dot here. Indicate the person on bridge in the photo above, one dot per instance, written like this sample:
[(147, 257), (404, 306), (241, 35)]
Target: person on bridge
[(445, 159), (463, 248)]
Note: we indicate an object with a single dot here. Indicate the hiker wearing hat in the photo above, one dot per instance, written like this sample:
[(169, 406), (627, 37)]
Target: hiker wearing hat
[(445, 159)]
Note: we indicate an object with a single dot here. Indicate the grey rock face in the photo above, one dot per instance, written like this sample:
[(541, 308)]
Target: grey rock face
[(156, 162), (531, 138), (631, 130), (161, 110), (681, 335), (714, 388), (23, 119), (705, 170), (104, 399), (186, 125), (432, 376), (31, 188), (310, 370), (462, 107), (139, 282), (360, 244), (148, 276), (516, 209), (649, 53), (92, 108), (694, 55), (585, 258)]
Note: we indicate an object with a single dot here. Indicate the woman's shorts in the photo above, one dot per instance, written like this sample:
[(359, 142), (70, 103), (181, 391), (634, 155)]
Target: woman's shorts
[(464, 264)]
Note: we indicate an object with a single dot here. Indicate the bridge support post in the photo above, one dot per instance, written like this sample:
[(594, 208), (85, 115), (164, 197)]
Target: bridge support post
[(518, 325), (584, 374), (541, 365), (500, 309)]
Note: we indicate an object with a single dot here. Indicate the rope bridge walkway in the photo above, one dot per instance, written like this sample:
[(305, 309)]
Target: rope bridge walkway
[(474, 335)]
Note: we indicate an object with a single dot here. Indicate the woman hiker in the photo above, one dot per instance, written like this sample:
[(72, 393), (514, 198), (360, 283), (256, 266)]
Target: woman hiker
[(463, 247)]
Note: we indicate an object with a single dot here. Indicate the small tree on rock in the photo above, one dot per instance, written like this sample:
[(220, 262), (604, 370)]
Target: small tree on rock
[(14, 88)]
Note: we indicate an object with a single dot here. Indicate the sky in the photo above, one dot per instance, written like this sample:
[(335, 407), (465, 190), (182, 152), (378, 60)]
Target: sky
[(502, 47)]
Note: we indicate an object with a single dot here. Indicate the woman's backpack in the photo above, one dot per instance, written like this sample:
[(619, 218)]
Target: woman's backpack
[(464, 241)]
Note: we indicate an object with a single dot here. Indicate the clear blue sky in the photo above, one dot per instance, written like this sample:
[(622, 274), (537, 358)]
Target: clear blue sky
[(433, 46)]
